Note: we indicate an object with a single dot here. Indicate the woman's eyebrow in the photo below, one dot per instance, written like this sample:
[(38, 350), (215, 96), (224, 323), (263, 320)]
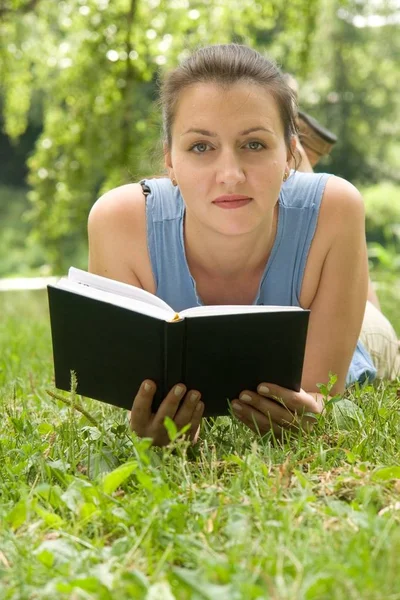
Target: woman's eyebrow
[(258, 128), (200, 131), (212, 134)]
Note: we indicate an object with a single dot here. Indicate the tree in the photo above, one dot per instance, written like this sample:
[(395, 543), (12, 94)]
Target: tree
[(91, 68), (352, 88)]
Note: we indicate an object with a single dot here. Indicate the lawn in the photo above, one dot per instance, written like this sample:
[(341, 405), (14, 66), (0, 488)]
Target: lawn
[(88, 511)]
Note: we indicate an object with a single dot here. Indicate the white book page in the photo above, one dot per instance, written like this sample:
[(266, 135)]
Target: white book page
[(116, 287), (130, 303), (237, 309)]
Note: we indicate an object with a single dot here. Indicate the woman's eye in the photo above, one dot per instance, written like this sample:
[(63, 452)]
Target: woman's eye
[(199, 148), (255, 145)]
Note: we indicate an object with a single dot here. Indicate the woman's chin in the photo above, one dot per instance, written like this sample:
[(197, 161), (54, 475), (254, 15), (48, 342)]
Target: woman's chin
[(240, 227)]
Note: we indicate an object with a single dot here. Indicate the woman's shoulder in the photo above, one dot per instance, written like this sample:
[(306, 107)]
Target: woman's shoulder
[(129, 202), (342, 216), (342, 189), (307, 189), (303, 190), (343, 200), (117, 225), (117, 236), (120, 203)]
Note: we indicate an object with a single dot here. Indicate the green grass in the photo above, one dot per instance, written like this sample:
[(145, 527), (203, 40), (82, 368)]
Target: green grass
[(89, 511)]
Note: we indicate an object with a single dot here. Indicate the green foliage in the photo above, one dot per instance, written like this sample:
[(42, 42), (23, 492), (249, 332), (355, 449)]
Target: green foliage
[(24, 251), (89, 70), (20, 255), (382, 207), (383, 236), (352, 89)]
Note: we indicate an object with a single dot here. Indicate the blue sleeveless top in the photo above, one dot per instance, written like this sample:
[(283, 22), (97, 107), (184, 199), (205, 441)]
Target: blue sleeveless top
[(299, 204)]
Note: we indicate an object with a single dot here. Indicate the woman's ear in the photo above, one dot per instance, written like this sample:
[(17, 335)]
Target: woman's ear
[(291, 151), (167, 158), (168, 164), (292, 154)]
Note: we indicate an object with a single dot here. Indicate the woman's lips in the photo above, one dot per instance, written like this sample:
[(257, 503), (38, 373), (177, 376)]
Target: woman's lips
[(232, 201)]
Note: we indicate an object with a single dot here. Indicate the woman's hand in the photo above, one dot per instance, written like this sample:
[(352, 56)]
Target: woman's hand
[(275, 408), (147, 424)]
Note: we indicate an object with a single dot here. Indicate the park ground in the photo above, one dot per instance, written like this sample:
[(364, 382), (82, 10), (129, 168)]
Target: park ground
[(89, 511)]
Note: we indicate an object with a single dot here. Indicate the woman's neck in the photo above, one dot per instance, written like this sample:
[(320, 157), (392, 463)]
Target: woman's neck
[(229, 258)]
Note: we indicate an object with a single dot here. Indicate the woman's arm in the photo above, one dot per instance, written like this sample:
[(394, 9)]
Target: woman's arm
[(337, 309), (338, 306), (305, 167), (118, 250)]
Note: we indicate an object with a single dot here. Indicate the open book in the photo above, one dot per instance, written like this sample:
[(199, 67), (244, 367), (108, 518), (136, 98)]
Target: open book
[(114, 335)]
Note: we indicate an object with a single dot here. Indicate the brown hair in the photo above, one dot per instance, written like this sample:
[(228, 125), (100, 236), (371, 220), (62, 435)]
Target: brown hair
[(226, 64)]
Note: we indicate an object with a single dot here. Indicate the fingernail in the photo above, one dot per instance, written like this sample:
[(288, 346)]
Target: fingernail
[(199, 407), (245, 397), (179, 389), (147, 387), (236, 407), (263, 389), (194, 397)]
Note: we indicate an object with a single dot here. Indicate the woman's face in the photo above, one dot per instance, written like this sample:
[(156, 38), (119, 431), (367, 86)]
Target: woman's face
[(228, 155)]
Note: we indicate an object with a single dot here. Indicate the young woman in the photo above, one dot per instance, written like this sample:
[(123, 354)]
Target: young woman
[(232, 224)]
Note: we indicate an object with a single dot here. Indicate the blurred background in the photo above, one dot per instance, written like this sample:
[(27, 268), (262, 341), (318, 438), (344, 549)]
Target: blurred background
[(78, 87)]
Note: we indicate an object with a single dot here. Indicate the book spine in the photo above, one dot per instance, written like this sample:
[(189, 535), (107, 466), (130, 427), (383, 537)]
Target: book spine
[(174, 341)]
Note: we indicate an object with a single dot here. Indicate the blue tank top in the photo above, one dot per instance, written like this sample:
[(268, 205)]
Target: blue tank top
[(280, 284)]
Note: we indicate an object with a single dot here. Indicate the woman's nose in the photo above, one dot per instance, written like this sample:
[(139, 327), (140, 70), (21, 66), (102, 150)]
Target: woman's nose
[(229, 169)]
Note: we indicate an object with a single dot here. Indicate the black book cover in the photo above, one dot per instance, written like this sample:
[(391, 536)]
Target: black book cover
[(229, 353), (113, 349)]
